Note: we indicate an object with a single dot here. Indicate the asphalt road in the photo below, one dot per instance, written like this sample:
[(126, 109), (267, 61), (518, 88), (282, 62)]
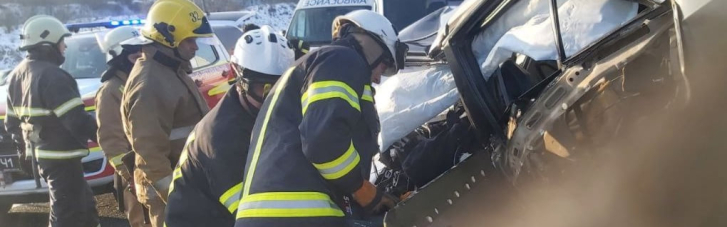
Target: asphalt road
[(36, 214)]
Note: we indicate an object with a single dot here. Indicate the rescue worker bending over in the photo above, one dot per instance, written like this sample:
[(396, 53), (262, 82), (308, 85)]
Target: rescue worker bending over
[(208, 180), (46, 110), (316, 134), (111, 136), (161, 103)]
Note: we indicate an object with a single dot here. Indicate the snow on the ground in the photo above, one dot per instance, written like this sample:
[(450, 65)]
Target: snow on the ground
[(9, 43), (277, 16)]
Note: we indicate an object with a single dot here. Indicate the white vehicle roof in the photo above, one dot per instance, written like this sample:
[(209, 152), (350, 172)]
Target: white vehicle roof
[(305, 4)]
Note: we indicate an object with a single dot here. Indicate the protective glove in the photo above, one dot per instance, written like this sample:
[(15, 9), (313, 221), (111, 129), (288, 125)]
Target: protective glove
[(372, 200)]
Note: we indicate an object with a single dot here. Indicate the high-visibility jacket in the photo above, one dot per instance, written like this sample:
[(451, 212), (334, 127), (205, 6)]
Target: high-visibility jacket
[(111, 136), (208, 179), (160, 107), (45, 96), (313, 142)]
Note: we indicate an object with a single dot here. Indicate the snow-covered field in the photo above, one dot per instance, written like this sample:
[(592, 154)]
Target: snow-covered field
[(277, 16)]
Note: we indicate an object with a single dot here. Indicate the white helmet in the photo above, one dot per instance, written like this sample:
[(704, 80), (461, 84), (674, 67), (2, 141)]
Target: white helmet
[(380, 28), (263, 51), (110, 43), (42, 29)]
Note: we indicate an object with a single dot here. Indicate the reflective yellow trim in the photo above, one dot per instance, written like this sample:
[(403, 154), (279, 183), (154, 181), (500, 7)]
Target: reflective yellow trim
[(2, 117), (116, 160), (340, 166), (67, 106), (95, 149), (263, 129), (10, 112), (231, 197), (329, 89), (219, 89), (300, 47), (48, 154), (90, 108), (176, 174), (288, 204), (31, 112), (367, 94)]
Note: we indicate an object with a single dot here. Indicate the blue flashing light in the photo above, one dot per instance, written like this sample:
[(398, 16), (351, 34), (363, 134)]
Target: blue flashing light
[(126, 22), (115, 23), (134, 21), (142, 21)]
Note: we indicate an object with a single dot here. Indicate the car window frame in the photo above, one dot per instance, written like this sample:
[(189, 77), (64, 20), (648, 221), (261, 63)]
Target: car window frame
[(216, 53)]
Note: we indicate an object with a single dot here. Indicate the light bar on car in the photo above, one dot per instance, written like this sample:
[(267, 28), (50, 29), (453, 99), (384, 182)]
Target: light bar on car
[(105, 24)]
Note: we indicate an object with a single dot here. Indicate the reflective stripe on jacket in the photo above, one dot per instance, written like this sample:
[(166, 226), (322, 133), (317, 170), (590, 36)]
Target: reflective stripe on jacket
[(313, 142), (45, 96), (208, 179)]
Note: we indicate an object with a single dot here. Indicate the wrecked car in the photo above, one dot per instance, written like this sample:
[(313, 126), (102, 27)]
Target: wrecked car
[(538, 87)]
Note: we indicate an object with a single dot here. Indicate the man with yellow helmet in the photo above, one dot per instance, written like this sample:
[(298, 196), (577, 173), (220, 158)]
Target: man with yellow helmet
[(161, 103)]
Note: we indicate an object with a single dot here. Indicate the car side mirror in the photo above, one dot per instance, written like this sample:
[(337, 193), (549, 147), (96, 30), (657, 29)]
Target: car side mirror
[(283, 31)]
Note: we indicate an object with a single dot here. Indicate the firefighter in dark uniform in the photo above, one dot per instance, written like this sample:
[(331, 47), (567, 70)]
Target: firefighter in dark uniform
[(315, 136), (208, 179), (46, 110)]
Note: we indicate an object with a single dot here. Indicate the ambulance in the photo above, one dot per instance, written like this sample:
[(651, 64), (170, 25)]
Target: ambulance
[(312, 19)]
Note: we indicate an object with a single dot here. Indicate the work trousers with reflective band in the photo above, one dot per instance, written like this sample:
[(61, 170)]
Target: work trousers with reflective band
[(71, 200), (302, 209)]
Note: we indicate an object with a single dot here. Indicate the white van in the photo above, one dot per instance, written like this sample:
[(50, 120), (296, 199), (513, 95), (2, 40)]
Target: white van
[(312, 19)]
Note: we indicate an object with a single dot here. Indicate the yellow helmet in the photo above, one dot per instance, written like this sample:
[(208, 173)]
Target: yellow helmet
[(171, 21)]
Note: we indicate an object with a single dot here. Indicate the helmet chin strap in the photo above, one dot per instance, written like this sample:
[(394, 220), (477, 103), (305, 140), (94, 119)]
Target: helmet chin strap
[(255, 97), (246, 104)]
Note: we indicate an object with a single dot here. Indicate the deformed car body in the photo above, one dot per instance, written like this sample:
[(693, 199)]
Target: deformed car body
[(536, 119)]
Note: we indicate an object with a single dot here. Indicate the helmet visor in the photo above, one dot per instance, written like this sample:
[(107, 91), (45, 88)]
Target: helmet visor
[(204, 28)]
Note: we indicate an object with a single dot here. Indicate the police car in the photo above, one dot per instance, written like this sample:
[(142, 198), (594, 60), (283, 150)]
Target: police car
[(85, 62)]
